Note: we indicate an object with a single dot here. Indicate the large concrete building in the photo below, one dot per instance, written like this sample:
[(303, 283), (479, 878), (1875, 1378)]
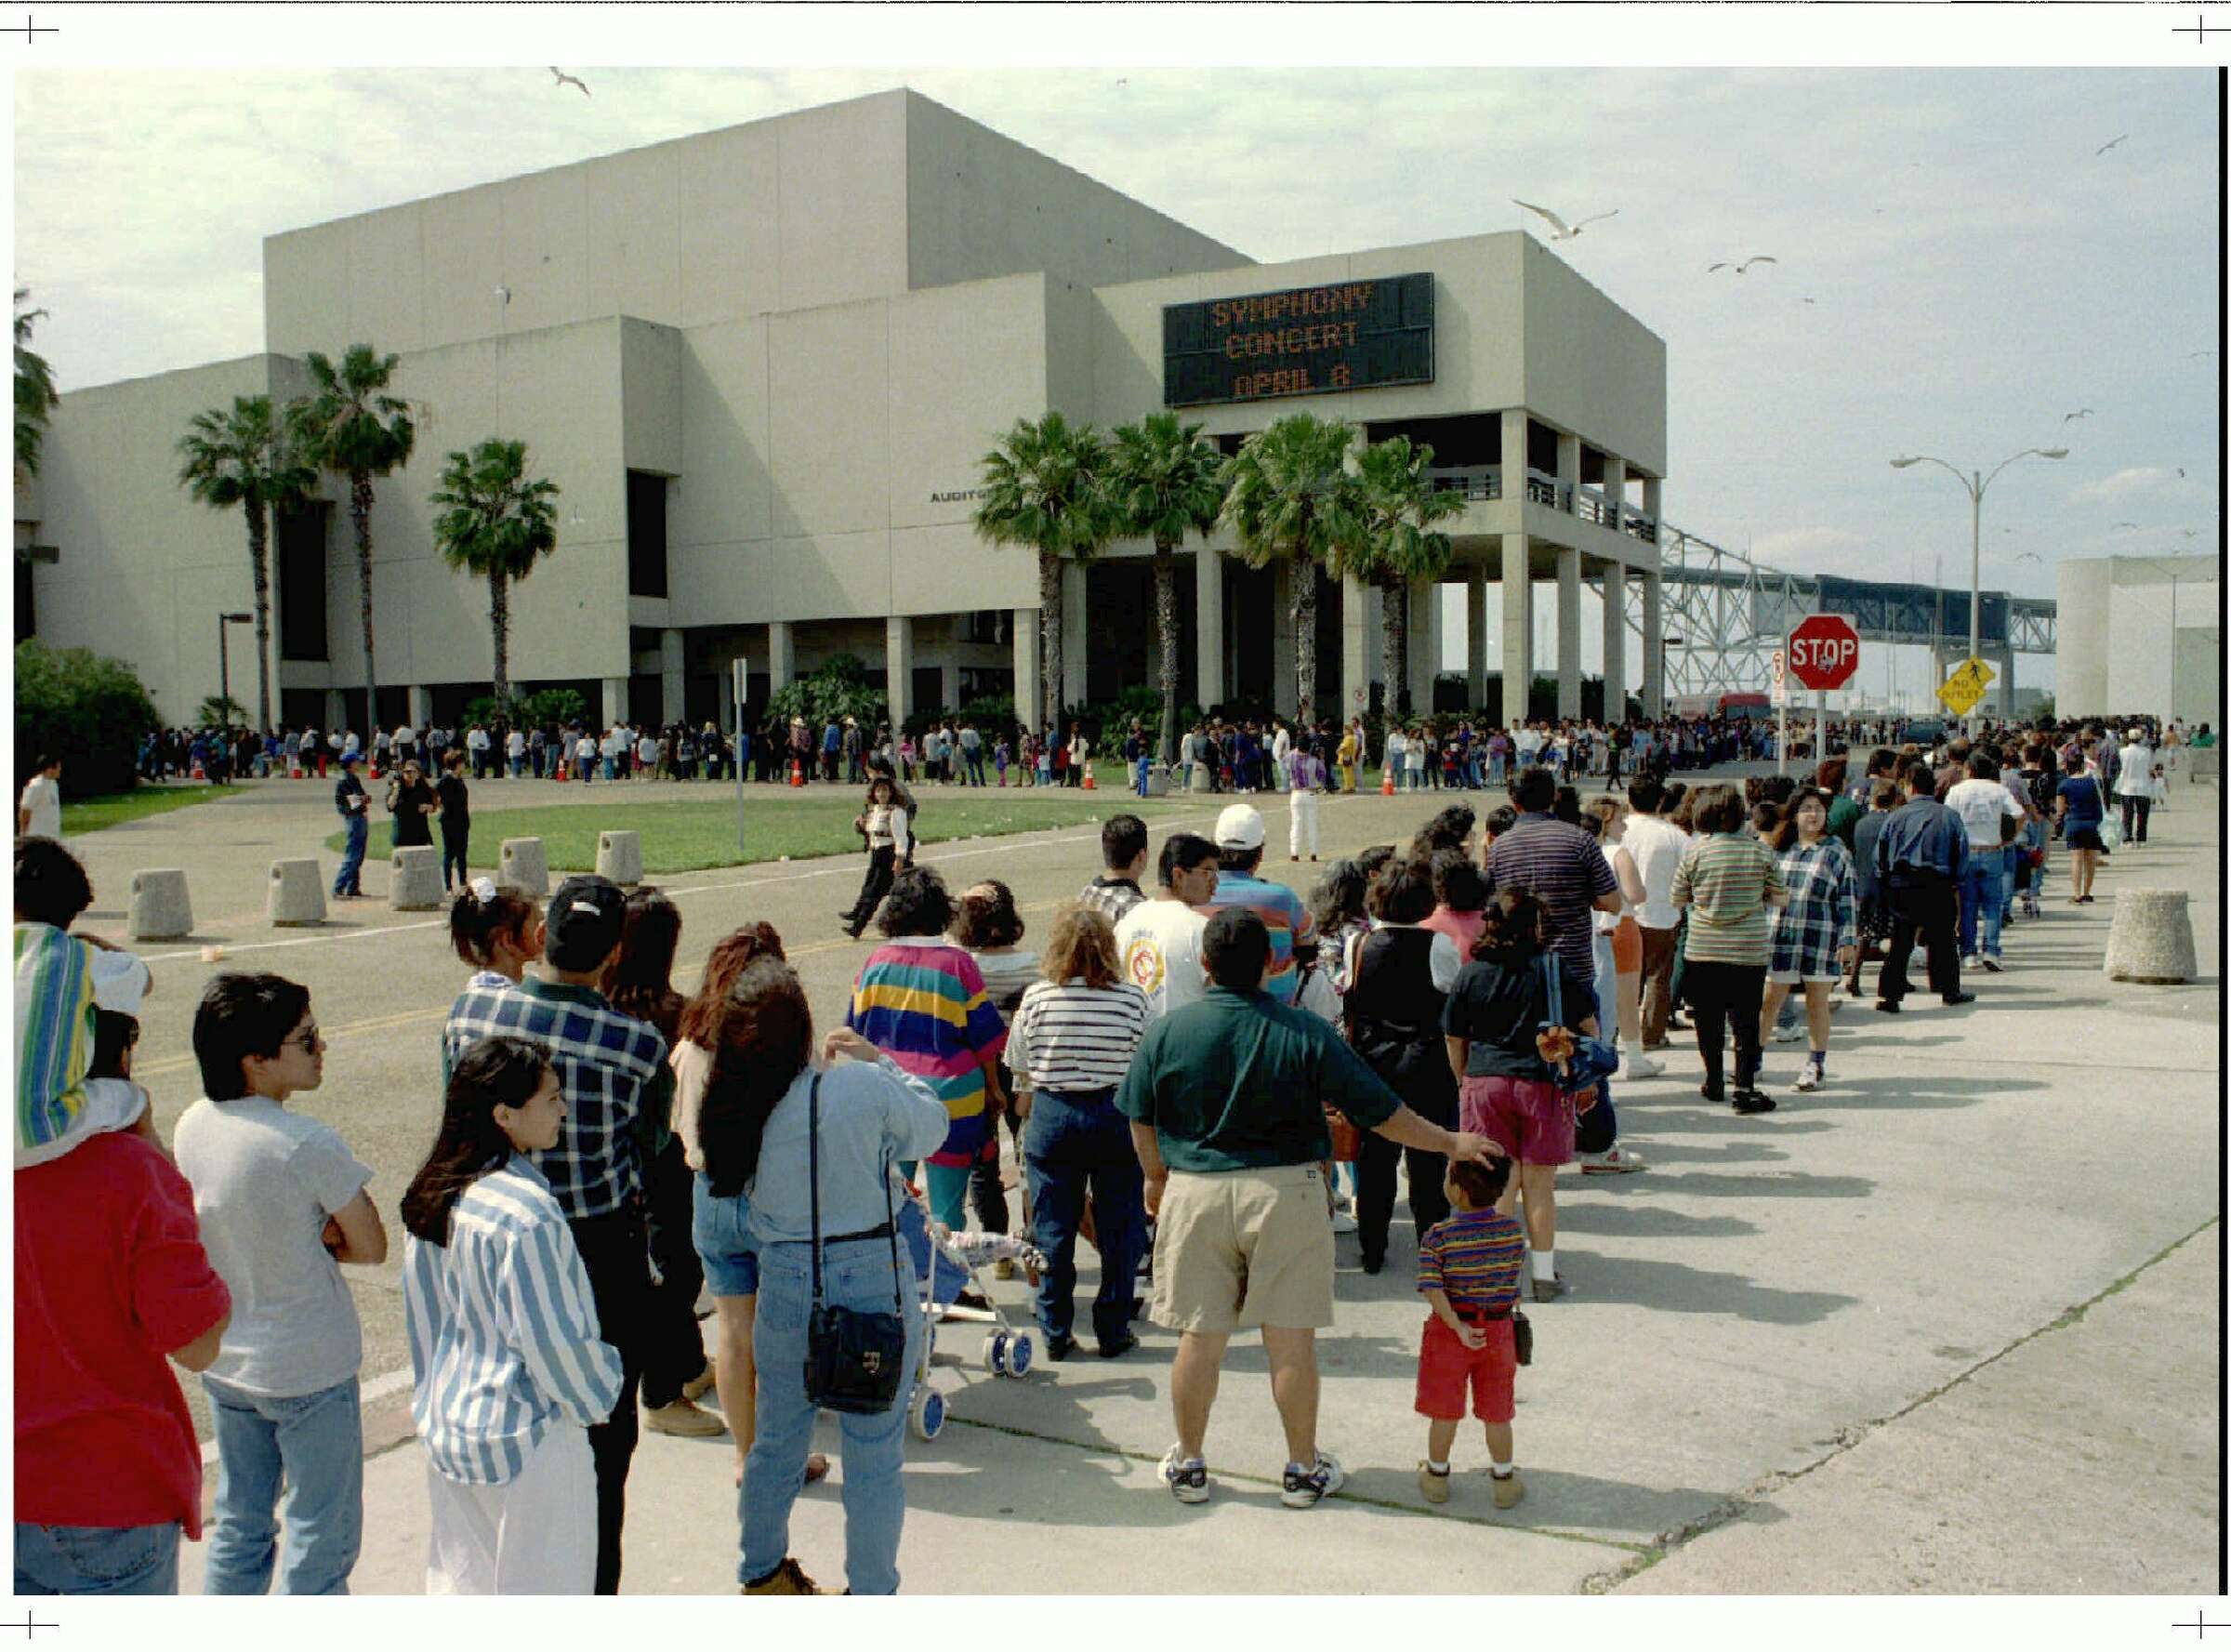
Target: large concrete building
[(2141, 634), (764, 365)]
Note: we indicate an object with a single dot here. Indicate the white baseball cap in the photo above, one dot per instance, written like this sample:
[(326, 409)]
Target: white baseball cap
[(1240, 826)]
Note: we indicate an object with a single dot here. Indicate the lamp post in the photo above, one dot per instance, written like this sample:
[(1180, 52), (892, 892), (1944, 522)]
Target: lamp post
[(1975, 482), (224, 661)]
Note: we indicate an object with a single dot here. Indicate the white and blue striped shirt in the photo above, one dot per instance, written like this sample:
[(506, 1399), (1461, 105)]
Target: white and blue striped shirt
[(503, 1333)]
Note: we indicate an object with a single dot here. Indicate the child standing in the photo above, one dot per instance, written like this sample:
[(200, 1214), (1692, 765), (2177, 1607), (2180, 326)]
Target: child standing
[(280, 1201), (1468, 1272), (1000, 761)]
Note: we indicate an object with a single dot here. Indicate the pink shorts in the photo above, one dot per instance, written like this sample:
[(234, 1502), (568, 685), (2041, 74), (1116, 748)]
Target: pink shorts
[(1532, 1122)]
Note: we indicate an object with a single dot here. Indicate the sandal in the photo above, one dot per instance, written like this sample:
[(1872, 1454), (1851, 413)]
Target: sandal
[(817, 1468)]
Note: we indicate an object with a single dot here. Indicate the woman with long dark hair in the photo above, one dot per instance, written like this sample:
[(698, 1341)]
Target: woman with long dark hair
[(675, 1368), (1817, 936), (1730, 882), (799, 1175), (508, 1370)]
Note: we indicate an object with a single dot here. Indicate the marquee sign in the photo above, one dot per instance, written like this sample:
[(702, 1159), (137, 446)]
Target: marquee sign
[(1304, 342)]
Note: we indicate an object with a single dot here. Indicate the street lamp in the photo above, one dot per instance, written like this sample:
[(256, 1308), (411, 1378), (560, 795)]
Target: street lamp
[(1975, 482), (224, 661)]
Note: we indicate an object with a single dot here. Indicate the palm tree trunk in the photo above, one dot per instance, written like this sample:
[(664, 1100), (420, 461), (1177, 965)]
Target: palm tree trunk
[(1050, 637), (1394, 645), (360, 513), (500, 626), (1165, 628), (260, 567), (1303, 612)]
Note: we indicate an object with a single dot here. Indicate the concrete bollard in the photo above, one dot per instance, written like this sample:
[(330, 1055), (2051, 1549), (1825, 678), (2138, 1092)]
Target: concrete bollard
[(524, 868), (1203, 778), (1157, 780), (2150, 941), (160, 910), (415, 880), (297, 895), (620, 857)]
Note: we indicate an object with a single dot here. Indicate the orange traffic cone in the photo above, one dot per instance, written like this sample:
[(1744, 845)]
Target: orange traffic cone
[(561, 769), (796, 778), (1386, 784), (197, 774), (1088, 783)]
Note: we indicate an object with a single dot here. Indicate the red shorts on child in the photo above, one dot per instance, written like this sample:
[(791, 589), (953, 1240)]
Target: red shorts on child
[(1446, 1368)]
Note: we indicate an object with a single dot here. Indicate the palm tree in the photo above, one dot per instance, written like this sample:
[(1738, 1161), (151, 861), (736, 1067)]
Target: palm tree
[(351, 425), (496, 524), (249, 458), (1289, 497), (1164, 481), (35, 394), (1397, 545), (1044, 485)]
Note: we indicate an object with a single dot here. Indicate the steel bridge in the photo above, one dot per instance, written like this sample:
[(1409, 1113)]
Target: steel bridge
[(1723, 615)]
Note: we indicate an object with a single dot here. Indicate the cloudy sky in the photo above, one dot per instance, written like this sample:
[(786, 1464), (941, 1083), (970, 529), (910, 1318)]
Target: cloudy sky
[(1958, 268)]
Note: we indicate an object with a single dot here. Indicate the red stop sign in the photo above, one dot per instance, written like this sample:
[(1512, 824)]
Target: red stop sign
[(1824, 651)]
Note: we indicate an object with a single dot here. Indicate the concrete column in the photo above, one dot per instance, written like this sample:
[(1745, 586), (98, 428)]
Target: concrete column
[(1568, 470), (728, 700), (898, 669), (2006, 680), (1615, 641), (1654, 500), (1208, 628), (1654, 644), (616, 700), (421, 702), (1615, 488), (1027, 711), (1282, 574), (1425, 646), (336, 715), (671, 684), (1074, 637), (781, 659), (1568, 630), (1518, 629), (1475, 636), (1514, 453), (1355, 651), (948, 680)]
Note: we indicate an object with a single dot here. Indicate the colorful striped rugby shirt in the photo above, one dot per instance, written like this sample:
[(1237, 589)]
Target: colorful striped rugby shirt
[(1476, 1257), (921, 1000), (1282, 912), (503, 1329)]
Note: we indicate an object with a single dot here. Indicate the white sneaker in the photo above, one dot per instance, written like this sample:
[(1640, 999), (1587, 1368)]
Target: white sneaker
[(1343, 1220), (1790, 1034), (1635, 1065)]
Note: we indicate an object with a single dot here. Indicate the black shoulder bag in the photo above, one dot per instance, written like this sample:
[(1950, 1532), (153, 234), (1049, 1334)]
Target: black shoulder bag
[(855, 1361)]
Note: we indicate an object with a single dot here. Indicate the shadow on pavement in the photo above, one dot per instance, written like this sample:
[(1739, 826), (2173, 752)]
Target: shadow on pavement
[(1637, 1221), (1766, 1185), (1683, 1290)]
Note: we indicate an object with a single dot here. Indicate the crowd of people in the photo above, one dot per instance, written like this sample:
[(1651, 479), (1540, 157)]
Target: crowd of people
[(1208, 1082)]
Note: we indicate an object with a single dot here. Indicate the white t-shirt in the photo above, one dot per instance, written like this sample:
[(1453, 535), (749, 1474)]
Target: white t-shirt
[(1655, 846), (43, 801), (475, 739), (515, 744), (265, 1180), (406, 735), (1979, 804), (1159, 943)]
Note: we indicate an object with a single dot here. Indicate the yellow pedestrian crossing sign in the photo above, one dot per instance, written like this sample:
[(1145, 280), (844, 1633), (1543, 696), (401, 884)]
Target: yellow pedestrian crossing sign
[(1962, 692)]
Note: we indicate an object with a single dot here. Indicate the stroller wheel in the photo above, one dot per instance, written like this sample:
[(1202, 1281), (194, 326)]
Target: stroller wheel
[(1019, 1354), (927, 1413), (995, 1354)]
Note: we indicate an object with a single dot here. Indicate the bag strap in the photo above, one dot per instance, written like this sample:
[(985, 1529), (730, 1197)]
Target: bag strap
[(1548, 961), (813, 1175)]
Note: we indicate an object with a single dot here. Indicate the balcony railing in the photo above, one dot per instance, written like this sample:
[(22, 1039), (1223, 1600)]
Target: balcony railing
[(1642, 527), (1478, 483), (1544, 489)]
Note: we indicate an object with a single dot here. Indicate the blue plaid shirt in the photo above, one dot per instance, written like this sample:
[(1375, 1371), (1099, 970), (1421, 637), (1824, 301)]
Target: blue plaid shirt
[(612, 1068)]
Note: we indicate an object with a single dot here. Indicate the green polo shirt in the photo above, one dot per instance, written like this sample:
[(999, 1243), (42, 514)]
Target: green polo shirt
[(1240, 1082)]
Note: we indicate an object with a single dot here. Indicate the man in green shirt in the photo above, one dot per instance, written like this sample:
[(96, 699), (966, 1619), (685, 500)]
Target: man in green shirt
[(1226, 1099)]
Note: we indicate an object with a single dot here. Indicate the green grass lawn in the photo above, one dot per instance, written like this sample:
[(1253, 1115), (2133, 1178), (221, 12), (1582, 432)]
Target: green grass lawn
[(691, 837), (90, 814)]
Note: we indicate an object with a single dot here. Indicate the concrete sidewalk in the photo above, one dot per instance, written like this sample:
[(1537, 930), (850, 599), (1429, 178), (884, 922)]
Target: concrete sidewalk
[(1832, 1348)]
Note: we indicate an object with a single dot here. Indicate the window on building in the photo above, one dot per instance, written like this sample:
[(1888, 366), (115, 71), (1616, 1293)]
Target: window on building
[(27, 623), (301, 537), (646, 534)]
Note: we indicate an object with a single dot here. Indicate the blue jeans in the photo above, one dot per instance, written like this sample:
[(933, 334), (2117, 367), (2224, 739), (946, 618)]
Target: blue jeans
[(975, 768), (96, 1559), (856, 1274), (1069, 1144), (721, 1231), (350, 879), (315, 1444), (1140, 773), (1982, 901)]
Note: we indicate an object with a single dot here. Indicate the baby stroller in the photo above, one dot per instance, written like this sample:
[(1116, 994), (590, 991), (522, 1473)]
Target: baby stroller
[(945, 1266)]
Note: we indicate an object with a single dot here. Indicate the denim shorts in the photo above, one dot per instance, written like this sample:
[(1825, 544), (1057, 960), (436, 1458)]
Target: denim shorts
[(721, 1229)]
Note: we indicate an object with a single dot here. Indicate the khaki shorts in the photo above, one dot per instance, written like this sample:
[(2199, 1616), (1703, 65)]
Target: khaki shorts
[(1242, 1249)]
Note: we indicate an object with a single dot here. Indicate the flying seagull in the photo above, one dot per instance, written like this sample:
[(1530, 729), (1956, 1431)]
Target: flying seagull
[(2108, 145), (2126, 524), (1745, 265), (1558, 224), (566, 80), (2031, 556), (2080, 413)]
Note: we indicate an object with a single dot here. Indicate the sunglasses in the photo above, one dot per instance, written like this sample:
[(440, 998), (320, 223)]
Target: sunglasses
[(307, 1036)]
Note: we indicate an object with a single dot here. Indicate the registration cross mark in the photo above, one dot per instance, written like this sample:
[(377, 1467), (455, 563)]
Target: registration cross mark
[(2200, 31), (31, 1624), (27, 31), (2203, 1626)]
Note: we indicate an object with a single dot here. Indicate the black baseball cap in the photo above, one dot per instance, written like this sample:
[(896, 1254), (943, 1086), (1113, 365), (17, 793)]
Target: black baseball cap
[(583, 921)]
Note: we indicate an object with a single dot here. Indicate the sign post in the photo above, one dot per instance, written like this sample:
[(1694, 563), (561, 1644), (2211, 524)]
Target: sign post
[(1823, 654), (1780, 661), (739, 669)]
